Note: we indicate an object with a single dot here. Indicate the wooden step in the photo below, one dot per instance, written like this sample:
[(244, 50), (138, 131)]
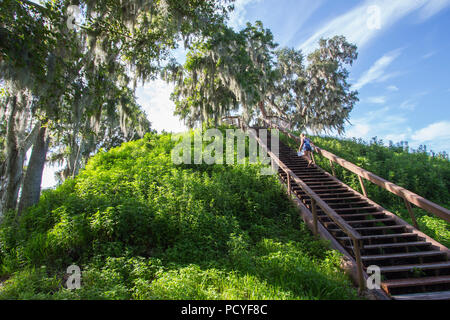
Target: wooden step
[(376, 213), (371, 221), (404, 255), (414, 282), (302, 175), (305, 171), (398, 245), (383, 236), (372, 228), (323, 183), (327, 179), (440, 295), (327, 199), (344, 194), (381, 228), (346, 204), (355, 209), (412, 267), (331, 188), (336, 192)]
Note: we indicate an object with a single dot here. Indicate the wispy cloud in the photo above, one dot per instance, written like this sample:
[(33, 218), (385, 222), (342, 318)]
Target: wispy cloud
[(435, 131), (393, 127), (374, 123), (393, 88), (428, 55), (432, 7), (436, 136), (409, 105), (237, 17), (377, 100), (377, 71), (381, 123), (355, 24), (305, 9)]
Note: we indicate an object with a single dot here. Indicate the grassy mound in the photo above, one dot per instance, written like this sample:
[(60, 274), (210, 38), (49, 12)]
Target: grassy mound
[(141, 227)]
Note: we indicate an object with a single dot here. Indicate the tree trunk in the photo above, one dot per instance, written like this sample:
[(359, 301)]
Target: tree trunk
[(13, 175), (76, 165), (13, 165), (31, 190)]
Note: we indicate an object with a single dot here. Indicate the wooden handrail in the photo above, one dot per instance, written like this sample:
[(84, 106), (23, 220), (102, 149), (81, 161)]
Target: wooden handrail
[(389, 186), (412, 197)]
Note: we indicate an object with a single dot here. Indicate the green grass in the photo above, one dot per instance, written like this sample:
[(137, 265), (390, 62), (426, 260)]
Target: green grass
[(141, 227), (416, 170)]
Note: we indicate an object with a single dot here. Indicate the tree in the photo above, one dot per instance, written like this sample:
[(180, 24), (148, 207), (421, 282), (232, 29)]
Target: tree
[(68, 81), (241, 73)]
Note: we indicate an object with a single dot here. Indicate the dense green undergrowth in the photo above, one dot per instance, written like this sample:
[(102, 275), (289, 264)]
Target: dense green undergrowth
[(141, 227), (417, 171)]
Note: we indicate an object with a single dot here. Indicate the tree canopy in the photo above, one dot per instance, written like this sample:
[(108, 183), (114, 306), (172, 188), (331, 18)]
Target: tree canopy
[(67, 87), (246, 73)]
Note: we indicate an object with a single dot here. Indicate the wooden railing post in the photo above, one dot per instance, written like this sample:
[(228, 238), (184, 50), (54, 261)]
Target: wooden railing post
[(363, 187), (314, 213), (289, 183), (411, 213), (357, 246), (332, 168)]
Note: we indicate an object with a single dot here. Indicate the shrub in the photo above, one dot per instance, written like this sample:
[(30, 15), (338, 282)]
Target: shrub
[(141, 227)]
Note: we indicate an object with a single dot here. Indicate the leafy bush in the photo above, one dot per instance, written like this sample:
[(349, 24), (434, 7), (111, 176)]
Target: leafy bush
[(141, 227)]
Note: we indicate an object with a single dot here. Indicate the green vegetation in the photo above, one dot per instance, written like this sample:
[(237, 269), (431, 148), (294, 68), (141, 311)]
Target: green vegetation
[(141, 227), (422, 173)]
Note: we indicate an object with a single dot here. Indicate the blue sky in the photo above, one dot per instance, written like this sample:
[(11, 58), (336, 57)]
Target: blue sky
[(402, 72)]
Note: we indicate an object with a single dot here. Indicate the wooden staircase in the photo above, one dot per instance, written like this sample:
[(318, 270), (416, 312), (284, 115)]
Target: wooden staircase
[(413, 266)]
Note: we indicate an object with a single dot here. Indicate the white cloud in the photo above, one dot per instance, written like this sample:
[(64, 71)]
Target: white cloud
[(237, 17), (409, 105), (396, 137), (432, 7), (291, 25), (377, 71), (429, 55), (435, 136), (393, 127), (392, 88), (154, 98), (377, 100), (435, 131), (381, 123), (365, 127), (355, 24), (359, 130)]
